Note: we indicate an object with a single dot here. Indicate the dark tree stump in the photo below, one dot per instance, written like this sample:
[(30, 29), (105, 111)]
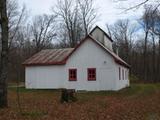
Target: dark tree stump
[(68, 95)]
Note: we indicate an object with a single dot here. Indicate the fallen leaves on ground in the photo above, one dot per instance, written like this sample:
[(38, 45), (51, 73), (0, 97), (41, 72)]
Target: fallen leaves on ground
[(45, 105)]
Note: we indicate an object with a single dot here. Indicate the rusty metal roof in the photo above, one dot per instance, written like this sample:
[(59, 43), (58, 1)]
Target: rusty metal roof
[(49, 57)]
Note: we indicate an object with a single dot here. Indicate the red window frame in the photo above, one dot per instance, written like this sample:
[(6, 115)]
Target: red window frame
[(91, 74), (72, 74), (119, 73)]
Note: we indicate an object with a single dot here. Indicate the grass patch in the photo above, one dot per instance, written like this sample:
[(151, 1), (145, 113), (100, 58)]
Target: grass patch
[(23, 90), (133, 90), (139, 90), (152, 116), (124, 104), (129, 91)]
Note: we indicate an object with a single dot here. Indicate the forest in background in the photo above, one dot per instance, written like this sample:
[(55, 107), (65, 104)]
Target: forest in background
[(138, 42)]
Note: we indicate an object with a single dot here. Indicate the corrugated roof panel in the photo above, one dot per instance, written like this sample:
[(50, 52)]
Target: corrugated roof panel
[(49, 56)]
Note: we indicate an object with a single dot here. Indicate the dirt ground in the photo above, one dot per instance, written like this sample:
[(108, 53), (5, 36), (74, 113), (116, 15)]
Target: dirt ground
[(139, 102)]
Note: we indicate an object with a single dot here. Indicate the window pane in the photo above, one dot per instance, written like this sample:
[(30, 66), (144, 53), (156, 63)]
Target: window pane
[(72, 74), (91, 74)]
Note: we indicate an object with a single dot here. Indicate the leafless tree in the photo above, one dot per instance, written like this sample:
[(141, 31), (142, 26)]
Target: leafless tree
[(67, 11), (16, 17), (75, 18), (4, 54), (109, 31), (144, 45), (88, 14), (146, 27), (122, 33), (43, 31), (155, 31), (140, 4)]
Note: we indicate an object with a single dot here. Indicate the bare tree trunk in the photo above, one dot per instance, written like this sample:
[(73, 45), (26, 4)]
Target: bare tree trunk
[(85, 27), (126, 49), (145, 56), (158, 62), (4, 54), (153, 60)]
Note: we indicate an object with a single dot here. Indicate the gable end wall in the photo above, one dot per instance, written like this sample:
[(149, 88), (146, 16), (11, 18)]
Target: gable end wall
[(90, 55)]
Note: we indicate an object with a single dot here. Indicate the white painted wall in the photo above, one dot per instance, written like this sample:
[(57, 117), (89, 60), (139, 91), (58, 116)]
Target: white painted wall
[(122, 83), (90, 55), (108, 43), (44, 77), (87, 56), (100, 36)]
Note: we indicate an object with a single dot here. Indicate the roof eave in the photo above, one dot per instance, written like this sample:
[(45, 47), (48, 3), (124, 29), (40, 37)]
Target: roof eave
[(123, 64), (116, 60), (44, 64)]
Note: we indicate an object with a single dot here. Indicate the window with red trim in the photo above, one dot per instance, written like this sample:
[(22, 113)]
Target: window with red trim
[(91, 74), (72, 74)]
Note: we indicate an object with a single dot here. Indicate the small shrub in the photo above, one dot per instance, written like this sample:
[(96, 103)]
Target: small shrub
[(134, 79), (68, 95)]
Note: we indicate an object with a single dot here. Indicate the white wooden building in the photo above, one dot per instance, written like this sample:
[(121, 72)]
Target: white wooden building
[(91, 65)]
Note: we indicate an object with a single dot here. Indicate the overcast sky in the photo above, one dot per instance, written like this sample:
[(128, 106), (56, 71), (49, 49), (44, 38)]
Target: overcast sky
[(109, 10)]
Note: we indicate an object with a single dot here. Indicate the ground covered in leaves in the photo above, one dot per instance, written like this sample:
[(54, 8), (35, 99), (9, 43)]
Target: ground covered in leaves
[(139, 102)]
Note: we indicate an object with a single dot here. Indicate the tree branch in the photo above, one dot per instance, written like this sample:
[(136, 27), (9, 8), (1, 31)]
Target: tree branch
[(136, 6)]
